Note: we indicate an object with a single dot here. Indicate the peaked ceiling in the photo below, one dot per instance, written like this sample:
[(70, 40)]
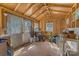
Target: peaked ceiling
[(41, 11)]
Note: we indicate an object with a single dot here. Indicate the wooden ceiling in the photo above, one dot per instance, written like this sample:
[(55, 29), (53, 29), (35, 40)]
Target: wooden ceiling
[(41, 11)]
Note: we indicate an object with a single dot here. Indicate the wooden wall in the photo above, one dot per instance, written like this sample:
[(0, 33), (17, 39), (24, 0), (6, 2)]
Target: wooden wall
[(1, 19), (58, 26), (77, 23), (74, 24)]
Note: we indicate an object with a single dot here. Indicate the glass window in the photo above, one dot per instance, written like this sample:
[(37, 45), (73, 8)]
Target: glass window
[(36, 27), (49, 27), (13, 24), (77, 15)]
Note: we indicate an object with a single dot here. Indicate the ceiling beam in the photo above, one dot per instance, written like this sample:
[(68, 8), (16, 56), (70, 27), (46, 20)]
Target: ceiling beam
[(7, 10), (52, 11), (59, 5), (43, 13), (18, 5), (29, 8), (58, 11), (71, 11), (40, 13), (37, 9), (49, 13)]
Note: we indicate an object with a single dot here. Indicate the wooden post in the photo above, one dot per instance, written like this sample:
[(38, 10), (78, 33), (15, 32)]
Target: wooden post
[(1, 18)]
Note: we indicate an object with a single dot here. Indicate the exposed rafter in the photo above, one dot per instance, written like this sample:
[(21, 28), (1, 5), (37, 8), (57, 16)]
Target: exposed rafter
[(16, 13), (41, 5), (40, 9), (58, 11), (26, 8), (29, 8), (59, 5), (49, 13), (40, 13), (71, 11), (18, 5)]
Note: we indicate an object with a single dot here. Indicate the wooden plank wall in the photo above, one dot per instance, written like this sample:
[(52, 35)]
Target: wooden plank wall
[(58, 26), (1, 18)]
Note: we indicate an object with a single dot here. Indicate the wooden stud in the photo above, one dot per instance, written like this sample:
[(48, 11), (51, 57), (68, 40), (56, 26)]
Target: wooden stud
[(1, 22)]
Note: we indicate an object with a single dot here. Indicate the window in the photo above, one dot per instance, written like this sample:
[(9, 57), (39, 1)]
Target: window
[(14, 29), (13, 24), (77, 15), (36, 27), (49, 27)]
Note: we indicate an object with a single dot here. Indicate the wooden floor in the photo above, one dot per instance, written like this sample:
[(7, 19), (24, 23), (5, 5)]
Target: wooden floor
[(39, 49)]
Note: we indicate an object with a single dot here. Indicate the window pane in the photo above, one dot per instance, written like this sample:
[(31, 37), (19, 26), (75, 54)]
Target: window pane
[(49, 27), (77, 15), (36, 27), (13, 24)]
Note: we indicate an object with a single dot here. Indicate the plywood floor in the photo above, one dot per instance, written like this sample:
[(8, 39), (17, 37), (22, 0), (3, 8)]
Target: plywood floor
[(39, 49)]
